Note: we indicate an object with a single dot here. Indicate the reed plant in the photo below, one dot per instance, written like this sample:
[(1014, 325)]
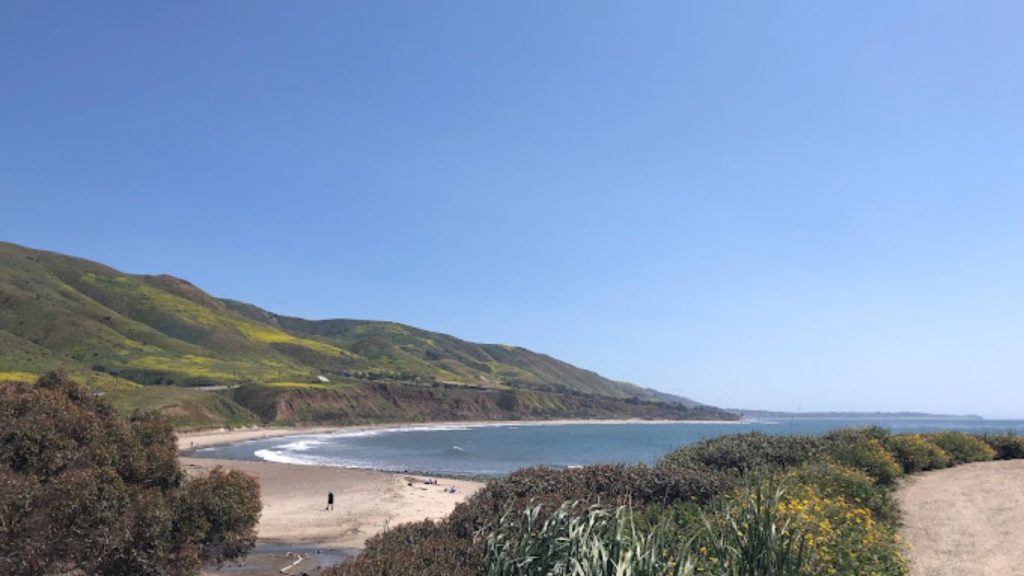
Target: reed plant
[(748, 535), (572, 541)]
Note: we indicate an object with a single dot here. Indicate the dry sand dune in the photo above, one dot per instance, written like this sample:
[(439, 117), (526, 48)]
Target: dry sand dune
[(967, 520)]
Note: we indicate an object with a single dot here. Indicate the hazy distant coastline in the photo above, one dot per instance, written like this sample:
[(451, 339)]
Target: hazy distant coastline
[(852, 415)]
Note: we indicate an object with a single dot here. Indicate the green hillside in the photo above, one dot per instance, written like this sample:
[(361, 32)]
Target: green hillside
[(158, 342)]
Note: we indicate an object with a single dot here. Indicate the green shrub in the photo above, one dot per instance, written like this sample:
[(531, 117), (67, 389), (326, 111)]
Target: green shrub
[(570, 542), (842, 434), (1007, 446), (417, 549), (84, 491), (833, 480), (740, 454), (962, 448), (915, 453), (866, 453), (610, 485), (221, 511)]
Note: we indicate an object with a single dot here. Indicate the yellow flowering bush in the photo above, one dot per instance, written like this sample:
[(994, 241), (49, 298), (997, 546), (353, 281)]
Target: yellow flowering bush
[(916, 453), (840, 537), (867, 454), (833, 480), (794, 528)]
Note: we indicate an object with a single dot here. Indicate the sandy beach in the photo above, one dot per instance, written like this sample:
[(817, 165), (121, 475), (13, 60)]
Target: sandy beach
[(965, 520), (295, 521), (295, 498)]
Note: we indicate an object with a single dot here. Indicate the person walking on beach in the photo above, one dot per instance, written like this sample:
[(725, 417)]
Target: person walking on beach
[(330, 500)]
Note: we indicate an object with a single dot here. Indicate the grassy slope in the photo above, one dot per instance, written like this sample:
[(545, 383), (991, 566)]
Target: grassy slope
[(132, 336), (412, 350)]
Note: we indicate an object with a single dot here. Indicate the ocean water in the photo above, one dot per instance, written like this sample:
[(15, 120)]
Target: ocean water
[(498, 449)]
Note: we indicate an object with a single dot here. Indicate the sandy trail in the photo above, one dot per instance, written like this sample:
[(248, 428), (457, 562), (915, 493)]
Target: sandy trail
[(965, 520)]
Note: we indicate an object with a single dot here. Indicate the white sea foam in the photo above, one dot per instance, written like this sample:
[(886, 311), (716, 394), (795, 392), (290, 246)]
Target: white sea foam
[(280, 457), (303, 445), (284, 457)]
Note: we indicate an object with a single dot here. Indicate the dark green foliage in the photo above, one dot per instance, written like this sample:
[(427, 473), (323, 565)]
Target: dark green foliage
[(83, 489), (962, 448), (417, 549), (1007, 446), (916, 453), (220, 511), (611, 485), (740, 454)]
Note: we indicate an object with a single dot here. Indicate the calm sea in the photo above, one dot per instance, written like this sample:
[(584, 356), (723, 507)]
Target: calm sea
[(494, 450)]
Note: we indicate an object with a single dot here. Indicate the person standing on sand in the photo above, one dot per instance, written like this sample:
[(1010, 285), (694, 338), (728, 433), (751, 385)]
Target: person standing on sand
[(330, 500)]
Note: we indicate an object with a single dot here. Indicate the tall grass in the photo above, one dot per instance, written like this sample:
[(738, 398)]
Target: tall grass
[(749, 536), (589, 542)]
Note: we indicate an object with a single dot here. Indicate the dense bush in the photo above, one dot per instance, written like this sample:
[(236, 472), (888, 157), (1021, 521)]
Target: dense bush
[(1006, 446), (83, 490), (916, 453), (962, 448), (611, 485), (739, 454), (221, 511), (418, 549), (864, 451)]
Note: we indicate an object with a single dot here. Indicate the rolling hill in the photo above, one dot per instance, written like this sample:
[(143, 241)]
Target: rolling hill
[(159, 342)]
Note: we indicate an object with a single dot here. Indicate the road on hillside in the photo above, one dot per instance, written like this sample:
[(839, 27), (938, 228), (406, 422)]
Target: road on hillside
[(965, 520)]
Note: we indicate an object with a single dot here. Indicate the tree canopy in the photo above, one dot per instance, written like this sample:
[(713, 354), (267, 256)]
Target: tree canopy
[(86, 491)]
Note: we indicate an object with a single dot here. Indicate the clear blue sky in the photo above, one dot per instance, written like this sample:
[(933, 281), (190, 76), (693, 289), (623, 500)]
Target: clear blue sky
[(761, 204)]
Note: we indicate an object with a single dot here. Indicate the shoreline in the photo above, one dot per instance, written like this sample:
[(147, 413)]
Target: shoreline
[(294, 500), (194, 440), (366, 501)]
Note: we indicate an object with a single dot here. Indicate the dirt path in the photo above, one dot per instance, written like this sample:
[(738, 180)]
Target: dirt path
[(965, 520)]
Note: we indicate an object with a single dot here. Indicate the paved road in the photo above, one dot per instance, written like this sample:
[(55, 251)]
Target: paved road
[(965, 521)]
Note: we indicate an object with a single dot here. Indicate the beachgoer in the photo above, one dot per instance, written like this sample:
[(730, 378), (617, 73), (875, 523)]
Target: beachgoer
[(330, 500)]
